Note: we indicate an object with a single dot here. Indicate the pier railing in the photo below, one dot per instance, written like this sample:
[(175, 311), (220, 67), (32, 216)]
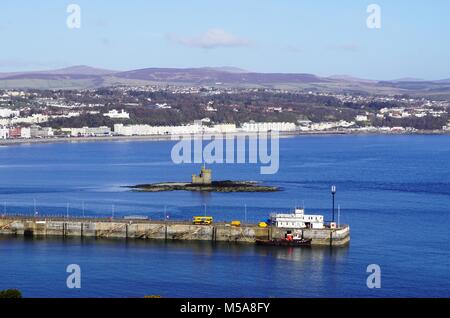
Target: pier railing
[(92, 219)]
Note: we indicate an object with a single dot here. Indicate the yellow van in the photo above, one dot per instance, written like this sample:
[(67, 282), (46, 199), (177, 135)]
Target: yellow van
[(202, 220)]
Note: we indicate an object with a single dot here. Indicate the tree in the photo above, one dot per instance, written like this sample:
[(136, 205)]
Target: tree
[(10, 294)]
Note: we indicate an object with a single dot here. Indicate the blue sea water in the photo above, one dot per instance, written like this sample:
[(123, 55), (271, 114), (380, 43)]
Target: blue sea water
[(394, 191)]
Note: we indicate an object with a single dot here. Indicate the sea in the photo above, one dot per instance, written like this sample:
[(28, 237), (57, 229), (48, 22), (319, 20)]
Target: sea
[(393, 191)]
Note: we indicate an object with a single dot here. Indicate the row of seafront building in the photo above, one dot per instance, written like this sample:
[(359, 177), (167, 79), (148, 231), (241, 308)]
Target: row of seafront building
[(198, 127), (36, 131)]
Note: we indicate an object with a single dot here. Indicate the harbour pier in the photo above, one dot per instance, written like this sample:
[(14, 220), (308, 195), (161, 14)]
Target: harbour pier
[(162, 230)]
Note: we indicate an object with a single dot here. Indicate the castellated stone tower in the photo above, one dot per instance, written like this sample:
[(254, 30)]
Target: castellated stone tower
[(205, 177)]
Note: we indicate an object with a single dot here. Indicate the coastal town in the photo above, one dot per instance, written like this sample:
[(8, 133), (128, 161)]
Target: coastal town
[(177, 110), (224, 157)]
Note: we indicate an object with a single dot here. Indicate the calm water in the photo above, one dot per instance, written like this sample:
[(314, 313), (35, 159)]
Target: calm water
[(394, 191)]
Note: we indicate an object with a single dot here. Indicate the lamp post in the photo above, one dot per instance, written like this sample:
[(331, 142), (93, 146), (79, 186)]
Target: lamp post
[(333, 193)]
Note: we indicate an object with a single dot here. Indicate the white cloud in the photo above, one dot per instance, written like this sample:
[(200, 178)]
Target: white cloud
[(211, 39)]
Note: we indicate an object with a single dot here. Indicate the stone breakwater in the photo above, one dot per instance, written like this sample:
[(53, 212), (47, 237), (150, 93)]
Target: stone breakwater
[(154, 230)]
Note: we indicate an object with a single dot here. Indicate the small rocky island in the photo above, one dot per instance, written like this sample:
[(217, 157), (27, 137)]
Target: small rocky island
[(204, 183)]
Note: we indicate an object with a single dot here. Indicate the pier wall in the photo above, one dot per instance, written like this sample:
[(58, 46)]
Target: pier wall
[(153, 230)]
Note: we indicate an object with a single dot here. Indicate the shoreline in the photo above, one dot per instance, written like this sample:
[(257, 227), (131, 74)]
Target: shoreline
[(13, 142)]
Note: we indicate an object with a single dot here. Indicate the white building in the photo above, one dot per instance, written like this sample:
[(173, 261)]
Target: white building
[(40, 132), (438, 113), (264, 127), (4, 133), (345, 124), (34, 119), (211, 109), (163, 106), (25, 132), (274, 109), (114, 114), (147, 130), (361, 118), (420, 114), (8, 113), (297, 220), (15, 93), (102, 131), (397, 129), (221, 129), (323, 126), (72, 115)]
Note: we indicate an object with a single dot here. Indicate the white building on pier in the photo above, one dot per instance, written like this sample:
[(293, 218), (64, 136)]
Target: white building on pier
[(297, 220)]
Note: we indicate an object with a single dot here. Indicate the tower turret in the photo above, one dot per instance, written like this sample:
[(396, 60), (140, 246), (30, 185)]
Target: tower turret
[(205, 177)]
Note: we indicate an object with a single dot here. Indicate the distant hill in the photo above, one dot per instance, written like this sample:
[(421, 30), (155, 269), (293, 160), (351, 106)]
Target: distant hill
[(81, 76), (408, 79), (444, 81), (349, 79), (208, 76), (81, 69), (77, 71), (228, 69)]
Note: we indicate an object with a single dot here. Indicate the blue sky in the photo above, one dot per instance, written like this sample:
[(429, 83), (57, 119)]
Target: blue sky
[(323, 37)]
